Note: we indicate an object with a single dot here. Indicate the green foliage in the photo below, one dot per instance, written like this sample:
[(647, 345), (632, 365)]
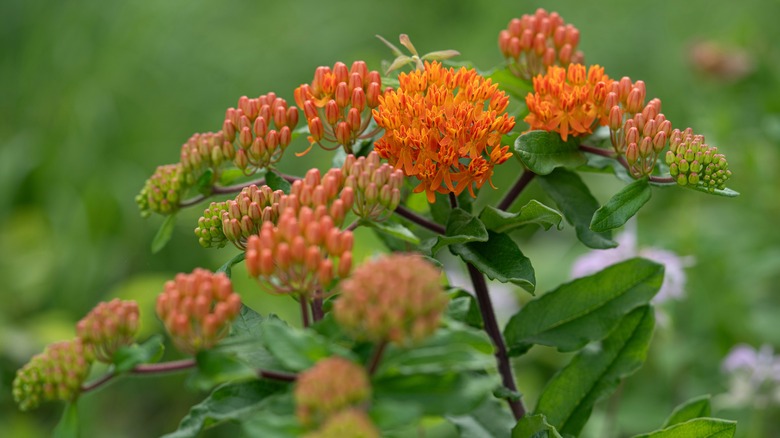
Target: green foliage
[(500, 259), (534, 212), (696, 428), (277, 182), (164, 233), (696, 407), (68, 426), (490, 419), (534, 426), (544, 151), (621, 207), (393, 229), (461, 227), (126, 358)]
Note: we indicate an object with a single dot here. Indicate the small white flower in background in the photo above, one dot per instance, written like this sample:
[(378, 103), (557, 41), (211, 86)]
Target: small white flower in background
[(754, 377), (673, 286)]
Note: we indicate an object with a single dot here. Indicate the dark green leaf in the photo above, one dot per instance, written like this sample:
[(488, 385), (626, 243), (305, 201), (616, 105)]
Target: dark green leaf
[(217, 366), (393, 229), (227, 268), (297, 349), (247, 323), (440, 210), (203, 185), (388, 415), (126, 358), (727, 192), (461, 228), (532, 213), (455, 348), (593, 373), (696, 428), (534, 426), (276, 181), (227, 402), (621, 207), (68, 426), (696, 407), (463, 308), (164, 234), (584, 310), (544, 151), (436, 394), (500, 259), (278, 420), (577, 204), (490, 419)]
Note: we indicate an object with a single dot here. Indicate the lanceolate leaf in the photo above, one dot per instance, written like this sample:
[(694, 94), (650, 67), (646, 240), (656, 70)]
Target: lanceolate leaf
[(696, 428), (534, 426), (126, 358), (694, 408), (543, 151), (461, 228), (436, 394), (727, 192), (577, 204), (393, 229), (276, 181), (621, 207), (568, 398), (227, 268), (584, 310), (164, 233), (500, 259), (490, 419), (68, 427), (532, 213)]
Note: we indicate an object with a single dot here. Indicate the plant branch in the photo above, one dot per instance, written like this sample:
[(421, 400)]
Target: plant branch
[(516, 189), (376, 357), (142, 369), (419, 220), (622, 160), (491, 327), (235, 188), (304, 310), (277, 375)]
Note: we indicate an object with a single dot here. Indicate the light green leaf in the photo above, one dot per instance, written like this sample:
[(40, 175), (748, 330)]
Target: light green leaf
[(573, 198), (696, 428), (510, 83), (490, 419), (463, 308), (126, 358), (203, 184), (727, 192), (394, 229), (227, 268), (534, 426), (544, 151), (277, 420), (217, 366), (164, 234), (584, 310), (229, 176), (436, 394), (696, 407), (277, 182), (593, 373), (247, 323), (297, 349), (68, 426), (534, 212), (621, 207), (500, 259)]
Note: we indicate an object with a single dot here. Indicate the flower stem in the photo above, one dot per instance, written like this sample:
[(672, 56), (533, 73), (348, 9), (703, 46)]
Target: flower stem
[(316, 306), (491, 327), (376, 357), (419, 220), (142, 369), (624, 163), (304, 310), (277, 375), (516, 189), (235, 188)]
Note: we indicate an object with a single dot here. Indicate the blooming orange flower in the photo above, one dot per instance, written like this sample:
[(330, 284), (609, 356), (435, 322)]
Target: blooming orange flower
[(569, 101), (444, 127)]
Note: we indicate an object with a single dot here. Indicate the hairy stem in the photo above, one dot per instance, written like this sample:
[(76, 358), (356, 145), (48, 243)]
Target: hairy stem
[(491, 327), (516, 189), (419, 220)]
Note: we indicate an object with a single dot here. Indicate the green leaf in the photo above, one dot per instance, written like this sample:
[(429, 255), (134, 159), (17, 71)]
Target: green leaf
[(451, 349), (696, 428), (534, 426), (544, 151), (440, 210), (247, 323), (621, 207), (577, 204), (696, 407), (463, 308), (500, 259), (593, 373), (277, 182), (227, 268), (297, 349), (229, 176), (490, 419), (164, 234), (277, 420), (584, 310), (436, 394), (68, 426), (126, 358), (204, 182), (216, 366), (727, 192), (462, 227), (510, 83), (227, 402), (394, 229), (388, 415), (532, 213)]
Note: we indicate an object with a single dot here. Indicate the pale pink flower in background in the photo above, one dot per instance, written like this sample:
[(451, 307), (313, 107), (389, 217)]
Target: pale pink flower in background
[(754, 377)]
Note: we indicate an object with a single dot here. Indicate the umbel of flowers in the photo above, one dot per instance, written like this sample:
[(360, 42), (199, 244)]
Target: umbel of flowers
[(444, 127), (109, 326)]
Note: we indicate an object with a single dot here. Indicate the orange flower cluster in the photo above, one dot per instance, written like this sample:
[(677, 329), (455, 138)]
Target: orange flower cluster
[(108, 327), (444, 127), (332, 385), (338, 103), (534, 42), (197, 309), (569, 100)]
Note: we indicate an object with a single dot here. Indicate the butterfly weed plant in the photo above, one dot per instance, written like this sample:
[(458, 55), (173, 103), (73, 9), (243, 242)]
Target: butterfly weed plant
[(386, 344)]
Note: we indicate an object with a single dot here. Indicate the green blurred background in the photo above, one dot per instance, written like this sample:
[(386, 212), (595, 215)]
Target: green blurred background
[(95, 95)]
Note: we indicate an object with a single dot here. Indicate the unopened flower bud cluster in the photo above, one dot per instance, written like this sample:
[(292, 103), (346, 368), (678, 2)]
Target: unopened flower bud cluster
[(396, 298), (203, 152), (352, 423), (163, 190), (109, 326), (692, 162), (197, 309), (331, 386), (377, 186), (534, 42), (338, 103)]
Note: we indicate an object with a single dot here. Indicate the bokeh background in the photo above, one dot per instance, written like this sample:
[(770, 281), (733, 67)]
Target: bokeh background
[(94, 95)]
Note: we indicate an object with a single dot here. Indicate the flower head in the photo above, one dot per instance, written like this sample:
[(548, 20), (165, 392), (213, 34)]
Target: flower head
[(693, 162), (754, 377), (444, 127), (197, 309), (332, 385), (55, 374), (569, 100), (396, 298), (109, 326), (202, 152), (377, 186), (532, 43), (349, 423)]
